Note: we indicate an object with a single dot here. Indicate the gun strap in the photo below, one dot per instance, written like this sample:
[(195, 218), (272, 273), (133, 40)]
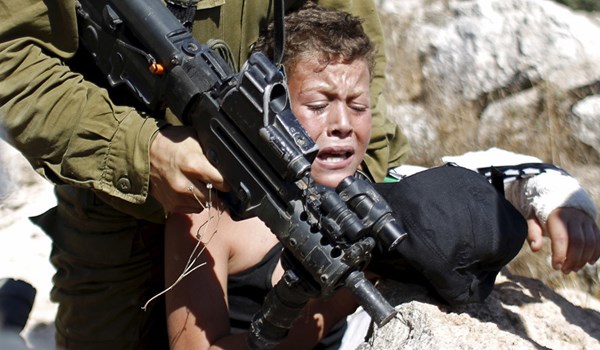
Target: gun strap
[(221, 47), (279, 33), (497, 175), (363, 175), (184, 10)]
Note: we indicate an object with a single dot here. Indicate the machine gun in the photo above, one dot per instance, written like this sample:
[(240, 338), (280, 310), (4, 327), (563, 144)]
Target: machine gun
[(245, 125)]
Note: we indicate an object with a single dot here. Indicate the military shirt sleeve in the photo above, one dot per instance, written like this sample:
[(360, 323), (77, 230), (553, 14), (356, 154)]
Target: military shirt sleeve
[(388, 147), (66, 127)]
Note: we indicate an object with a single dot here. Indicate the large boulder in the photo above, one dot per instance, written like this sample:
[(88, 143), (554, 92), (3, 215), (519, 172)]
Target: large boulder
[(521, 313), (585, 121), (483, 73), (22, 190)]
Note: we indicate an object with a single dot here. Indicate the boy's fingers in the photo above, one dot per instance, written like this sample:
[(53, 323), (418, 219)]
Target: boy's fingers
[(577, 249), (534, 234), (559, 238)]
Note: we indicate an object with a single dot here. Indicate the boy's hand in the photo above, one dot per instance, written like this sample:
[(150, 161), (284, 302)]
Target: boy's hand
[(574, 236)]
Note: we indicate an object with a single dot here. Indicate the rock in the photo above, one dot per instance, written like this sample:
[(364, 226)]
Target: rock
[(521, 313), (416, 122), (22, 191), (504, 117), (474, 66), (7, 184), (470, 48), (24, 248), (585, 121)]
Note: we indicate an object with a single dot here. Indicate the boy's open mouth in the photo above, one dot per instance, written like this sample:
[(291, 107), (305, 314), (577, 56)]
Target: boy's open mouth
[(332, 155)]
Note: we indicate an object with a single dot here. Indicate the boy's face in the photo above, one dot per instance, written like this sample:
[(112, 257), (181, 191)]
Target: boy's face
[(333, 105)]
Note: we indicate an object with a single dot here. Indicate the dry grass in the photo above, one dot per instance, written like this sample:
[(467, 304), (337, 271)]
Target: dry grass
[(538, 266)]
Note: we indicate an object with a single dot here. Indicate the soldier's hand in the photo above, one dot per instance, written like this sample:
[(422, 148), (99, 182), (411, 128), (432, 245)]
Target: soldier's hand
[(180, 172)]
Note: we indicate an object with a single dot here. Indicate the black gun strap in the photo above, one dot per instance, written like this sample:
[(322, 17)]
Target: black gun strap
[(279, 33), (184, 10), (498, 174)]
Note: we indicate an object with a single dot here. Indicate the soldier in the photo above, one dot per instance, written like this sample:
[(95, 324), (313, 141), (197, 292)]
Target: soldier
[(117, 170)]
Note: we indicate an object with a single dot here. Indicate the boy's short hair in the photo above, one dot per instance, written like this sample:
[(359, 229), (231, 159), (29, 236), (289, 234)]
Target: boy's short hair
[(333, 35)]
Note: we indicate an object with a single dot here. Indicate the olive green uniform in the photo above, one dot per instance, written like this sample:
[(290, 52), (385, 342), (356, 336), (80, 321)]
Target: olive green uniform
[(109, 260)]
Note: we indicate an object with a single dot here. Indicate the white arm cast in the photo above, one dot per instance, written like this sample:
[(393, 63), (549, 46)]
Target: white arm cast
[(539, 194), (543, 193)]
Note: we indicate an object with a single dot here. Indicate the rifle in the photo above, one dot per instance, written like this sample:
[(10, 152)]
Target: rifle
[(245, 125)]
